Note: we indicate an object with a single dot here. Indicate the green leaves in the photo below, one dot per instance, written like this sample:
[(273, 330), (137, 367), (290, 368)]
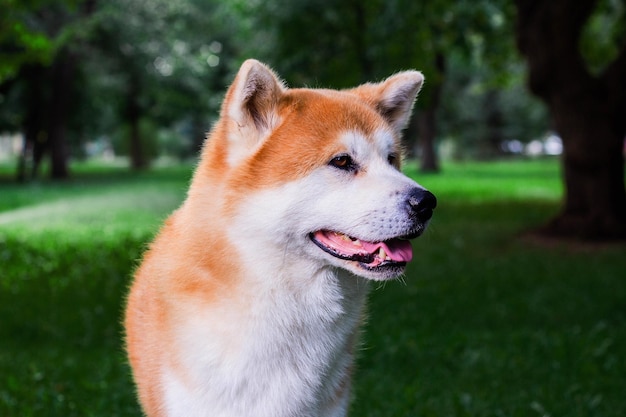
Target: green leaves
[(19, 43), (604, 34)]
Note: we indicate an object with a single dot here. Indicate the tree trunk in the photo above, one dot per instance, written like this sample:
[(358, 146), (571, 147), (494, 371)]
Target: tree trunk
[(198, 134), (426, 126), (22, 161), (588, 112), (360, 41), (63, 71), (593, 171), (35, 124), (426, 116), (138, 159), (494, 123)]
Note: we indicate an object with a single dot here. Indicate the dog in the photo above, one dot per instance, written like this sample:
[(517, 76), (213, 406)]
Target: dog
[(249, 300)]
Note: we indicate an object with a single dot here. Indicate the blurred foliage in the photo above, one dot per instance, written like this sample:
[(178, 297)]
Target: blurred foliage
[(24, 36), (341, 44), (169, 62), (603, 34)]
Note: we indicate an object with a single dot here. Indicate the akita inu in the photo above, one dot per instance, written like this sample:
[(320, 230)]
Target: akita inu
[(249, 300)]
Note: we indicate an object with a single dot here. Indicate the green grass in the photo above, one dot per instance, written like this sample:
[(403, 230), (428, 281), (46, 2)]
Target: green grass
[(66, 253), (486, 323)]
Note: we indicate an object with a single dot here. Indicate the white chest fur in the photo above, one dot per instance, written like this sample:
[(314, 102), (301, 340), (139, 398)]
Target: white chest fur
[(278, 352)]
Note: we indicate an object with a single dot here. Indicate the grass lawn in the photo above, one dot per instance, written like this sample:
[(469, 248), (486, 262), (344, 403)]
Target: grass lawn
[(485, 323)]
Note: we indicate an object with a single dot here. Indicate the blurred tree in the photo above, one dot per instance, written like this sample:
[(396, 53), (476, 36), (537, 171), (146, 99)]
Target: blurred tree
[(342, 43), (40, 45), (481, 111), (23, 39), (576, 53), (164, 69), (170, 64), (110, 68)]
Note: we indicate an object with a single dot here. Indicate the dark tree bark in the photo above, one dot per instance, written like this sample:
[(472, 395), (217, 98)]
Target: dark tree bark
[(134, 111), (427, 127), (425, 118), (34, 124), (48, 101), (360, 41), (589, 113), (494, 123), (62, 99), (63, 71)]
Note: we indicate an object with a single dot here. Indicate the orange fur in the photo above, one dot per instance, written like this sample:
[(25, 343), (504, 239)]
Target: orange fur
[(299, 147)]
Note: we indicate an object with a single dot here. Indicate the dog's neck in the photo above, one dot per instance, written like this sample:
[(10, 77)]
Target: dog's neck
[(309, 334), (299, 326)]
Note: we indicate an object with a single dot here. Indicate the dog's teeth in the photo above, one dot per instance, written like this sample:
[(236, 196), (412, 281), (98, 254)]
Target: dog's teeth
[(382, 254), (357, 242), (346, 238)]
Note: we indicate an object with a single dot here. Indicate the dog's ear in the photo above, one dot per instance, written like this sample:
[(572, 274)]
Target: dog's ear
[(393, 98), (251, 104)]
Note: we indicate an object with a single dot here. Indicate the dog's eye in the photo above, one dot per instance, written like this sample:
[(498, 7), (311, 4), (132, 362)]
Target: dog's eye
[(393, 159), (343, 162)]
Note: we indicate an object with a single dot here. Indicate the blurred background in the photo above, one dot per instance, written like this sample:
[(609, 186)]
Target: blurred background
[(518, 304), (136, 82), (143, 80)]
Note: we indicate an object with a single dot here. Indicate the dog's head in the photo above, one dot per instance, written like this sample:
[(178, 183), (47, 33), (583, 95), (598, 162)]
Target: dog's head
[(314, 175)]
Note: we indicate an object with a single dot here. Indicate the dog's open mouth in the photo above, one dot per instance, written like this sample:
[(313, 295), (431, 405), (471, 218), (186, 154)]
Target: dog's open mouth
[(394, 252)]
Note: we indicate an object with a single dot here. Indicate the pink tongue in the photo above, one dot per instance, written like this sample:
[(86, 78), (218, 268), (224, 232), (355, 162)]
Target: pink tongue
[(398, 250)]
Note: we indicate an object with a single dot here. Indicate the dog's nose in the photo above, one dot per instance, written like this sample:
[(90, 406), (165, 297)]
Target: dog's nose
[(422, 203)]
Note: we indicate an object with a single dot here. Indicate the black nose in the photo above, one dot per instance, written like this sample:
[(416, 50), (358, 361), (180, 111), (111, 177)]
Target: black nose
[(422, 204)]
